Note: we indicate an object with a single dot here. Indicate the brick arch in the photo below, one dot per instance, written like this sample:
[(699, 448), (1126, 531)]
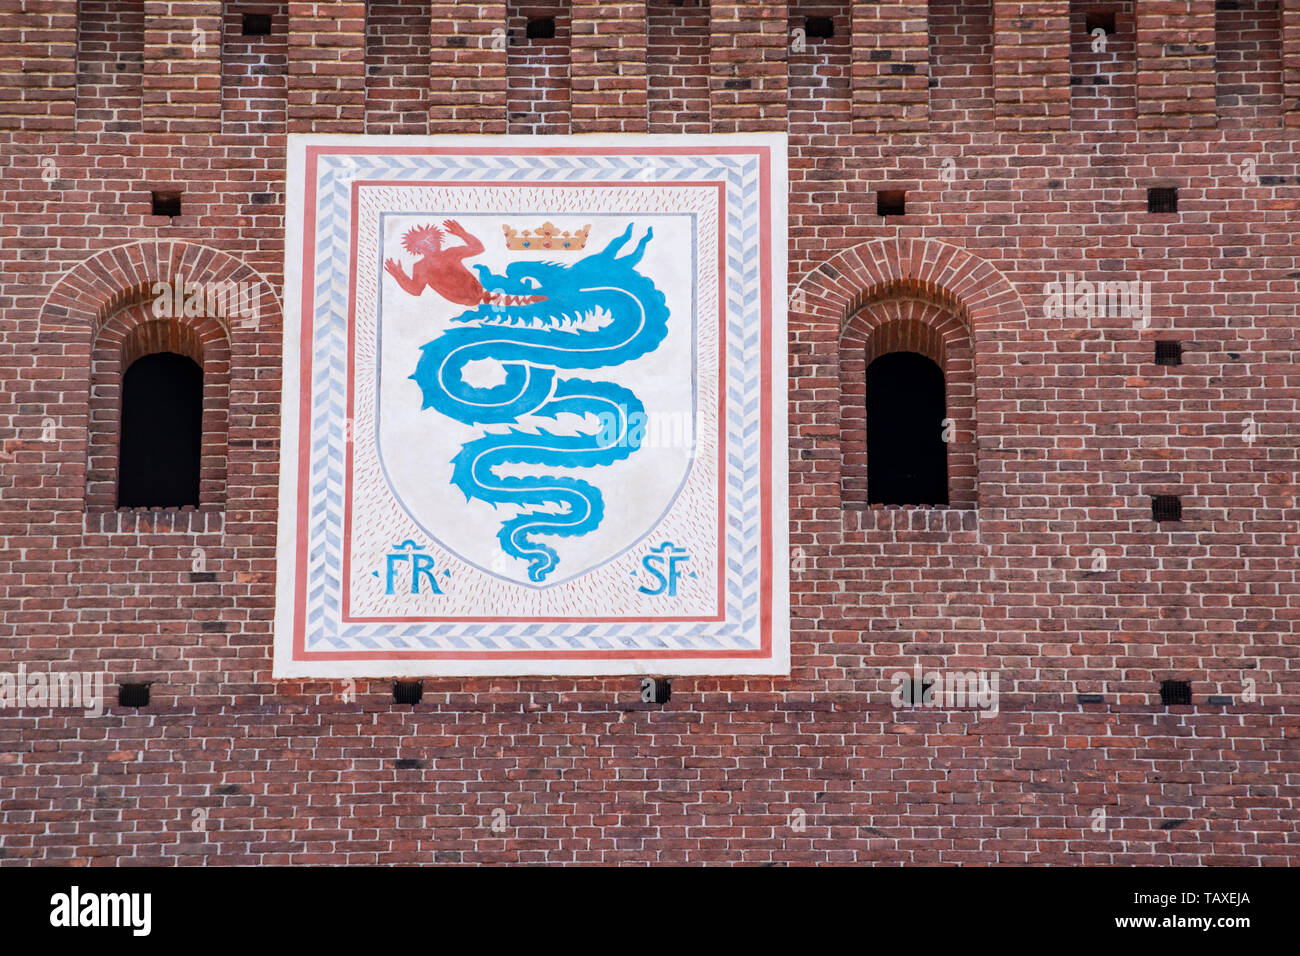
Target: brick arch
[(96, 288), (923, 269), (918, 295)]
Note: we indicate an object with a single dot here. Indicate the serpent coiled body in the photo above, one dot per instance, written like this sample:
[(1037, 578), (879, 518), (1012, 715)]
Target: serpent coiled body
[(595, 313)]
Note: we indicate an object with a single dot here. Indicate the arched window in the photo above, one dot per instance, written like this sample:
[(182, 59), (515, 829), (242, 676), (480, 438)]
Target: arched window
[(907, 383), (159, 413), (162, 432), (907, 457)]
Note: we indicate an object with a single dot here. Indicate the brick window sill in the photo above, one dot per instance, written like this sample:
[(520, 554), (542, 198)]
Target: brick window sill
[(942, 520), (155, 521)]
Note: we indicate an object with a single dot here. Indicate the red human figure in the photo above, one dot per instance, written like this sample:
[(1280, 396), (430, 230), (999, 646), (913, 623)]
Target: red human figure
[(442, 269)]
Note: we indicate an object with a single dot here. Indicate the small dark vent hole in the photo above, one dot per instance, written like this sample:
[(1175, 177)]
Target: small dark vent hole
[(818, 28), (165, 204), (1100, 20), (1169, 352), (1175, 692), (133, 695), (408, 691), (1166, 508), (656, 690), (256, 25), (1162, 199), (540, 28), (891, 202)]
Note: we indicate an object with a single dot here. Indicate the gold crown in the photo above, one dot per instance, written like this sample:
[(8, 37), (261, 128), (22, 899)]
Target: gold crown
[(547, 237)]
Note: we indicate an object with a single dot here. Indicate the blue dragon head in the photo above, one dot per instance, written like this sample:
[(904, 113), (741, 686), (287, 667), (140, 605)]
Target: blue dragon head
[(601, 293)]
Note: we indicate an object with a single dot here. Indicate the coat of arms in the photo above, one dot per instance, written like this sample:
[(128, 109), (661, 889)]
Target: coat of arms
[(536, 410)]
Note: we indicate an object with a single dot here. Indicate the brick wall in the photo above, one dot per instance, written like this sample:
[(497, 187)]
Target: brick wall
[(397, 67), (819, 87), (1103, 69), (538, 69), (677, 65), (1248, 62), (110, 66), (1020, 170), (961, 66), (254, 80)]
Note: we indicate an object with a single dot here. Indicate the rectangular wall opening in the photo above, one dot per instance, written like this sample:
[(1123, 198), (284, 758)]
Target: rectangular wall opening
[(397, 67), (1103, 66), (819, 88), (537, 68), (677, 64), (1248, 63), (110, 66), (254, 70), (961, 65)]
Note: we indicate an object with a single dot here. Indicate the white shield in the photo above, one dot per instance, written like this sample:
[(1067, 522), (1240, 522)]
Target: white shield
[(627, 467)]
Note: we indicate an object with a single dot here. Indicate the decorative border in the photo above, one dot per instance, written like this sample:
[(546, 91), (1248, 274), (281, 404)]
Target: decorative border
[(357, 322), (311, 639)]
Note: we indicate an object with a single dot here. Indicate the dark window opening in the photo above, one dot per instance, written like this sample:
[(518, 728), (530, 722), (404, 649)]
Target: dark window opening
[(256, 25), (1166, 508), (162, 433), (165, 204), (891, 202), (1169, 352), (907, 459), (818, 28), (1175, 692), (540, 28), (1162, 200)]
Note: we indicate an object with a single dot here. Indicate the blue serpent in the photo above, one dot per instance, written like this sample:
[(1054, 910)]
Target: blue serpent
[(594, 313)]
